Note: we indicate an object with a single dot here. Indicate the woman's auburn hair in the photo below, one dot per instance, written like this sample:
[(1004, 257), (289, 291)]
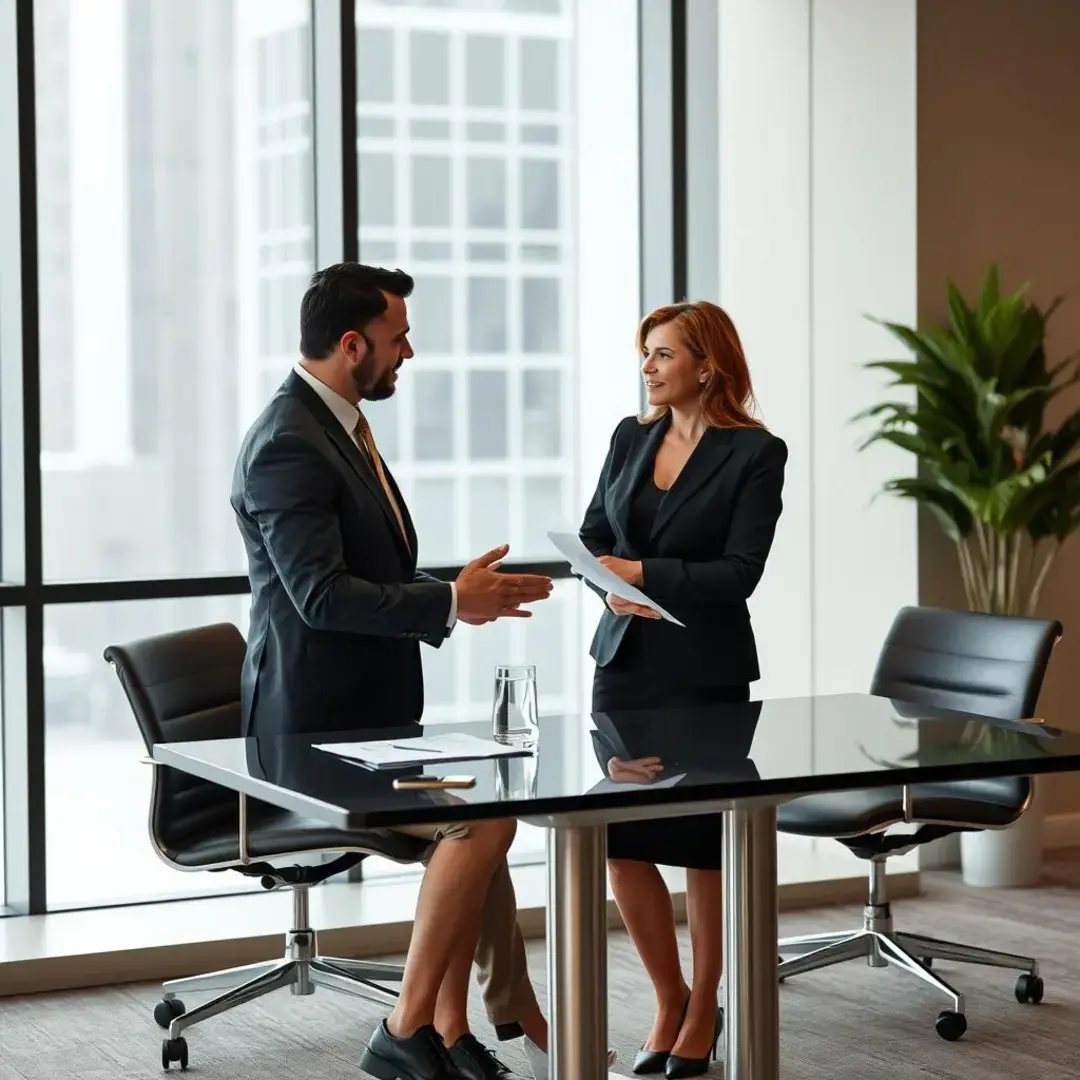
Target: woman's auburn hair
[(706, 330)]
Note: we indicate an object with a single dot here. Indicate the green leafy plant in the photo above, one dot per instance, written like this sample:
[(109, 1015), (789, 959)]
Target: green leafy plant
[(1003, 486)]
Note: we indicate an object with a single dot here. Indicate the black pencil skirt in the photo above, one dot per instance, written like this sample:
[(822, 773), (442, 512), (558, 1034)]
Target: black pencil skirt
[(631, 682)]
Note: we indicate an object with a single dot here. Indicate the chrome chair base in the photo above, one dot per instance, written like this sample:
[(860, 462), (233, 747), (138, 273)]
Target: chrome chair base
[(302, 970), (879, 950), (881, 946)]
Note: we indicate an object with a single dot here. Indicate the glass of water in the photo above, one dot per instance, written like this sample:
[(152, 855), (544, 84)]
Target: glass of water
[(514, 718)]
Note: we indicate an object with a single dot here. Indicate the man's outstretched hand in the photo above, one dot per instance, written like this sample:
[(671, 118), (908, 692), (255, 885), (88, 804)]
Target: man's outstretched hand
[(484, 594)]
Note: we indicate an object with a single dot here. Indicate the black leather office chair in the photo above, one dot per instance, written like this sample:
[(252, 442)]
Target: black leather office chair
[(183, 687), (987, 664)]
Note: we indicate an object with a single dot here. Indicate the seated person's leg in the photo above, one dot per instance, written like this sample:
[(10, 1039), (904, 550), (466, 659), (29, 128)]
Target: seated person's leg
[(503, 977), (407, 1046), (503, 973)]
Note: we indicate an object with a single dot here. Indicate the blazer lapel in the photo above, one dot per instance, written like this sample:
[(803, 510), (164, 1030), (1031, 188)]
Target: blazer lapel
[(707, 457), (353, 457), (639, 464)]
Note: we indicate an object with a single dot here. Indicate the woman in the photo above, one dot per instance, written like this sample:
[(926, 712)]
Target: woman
[(686, 509)]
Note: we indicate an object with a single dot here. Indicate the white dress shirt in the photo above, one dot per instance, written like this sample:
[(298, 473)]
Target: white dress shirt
[(345, 412)]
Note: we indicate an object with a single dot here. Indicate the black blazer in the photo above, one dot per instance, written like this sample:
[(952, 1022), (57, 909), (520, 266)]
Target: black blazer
[(337, 605), (706, 552)]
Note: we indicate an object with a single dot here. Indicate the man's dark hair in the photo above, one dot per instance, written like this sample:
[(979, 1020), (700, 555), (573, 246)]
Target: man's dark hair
[(343, 297)]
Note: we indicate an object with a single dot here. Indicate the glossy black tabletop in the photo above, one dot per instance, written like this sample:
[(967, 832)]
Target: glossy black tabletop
[(773, 749)]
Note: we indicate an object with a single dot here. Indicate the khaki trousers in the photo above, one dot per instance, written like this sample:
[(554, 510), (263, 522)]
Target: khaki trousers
[(500, 953)]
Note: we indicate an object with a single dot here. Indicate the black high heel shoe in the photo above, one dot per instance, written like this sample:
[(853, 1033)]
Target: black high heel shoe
[(679, 1068), (654, 1062)]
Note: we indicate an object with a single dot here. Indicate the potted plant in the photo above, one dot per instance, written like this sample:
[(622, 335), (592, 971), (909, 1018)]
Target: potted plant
[(1002, 484)]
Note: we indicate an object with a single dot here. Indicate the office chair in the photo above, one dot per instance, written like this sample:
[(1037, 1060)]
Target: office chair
[(991, 665), (184, 687)]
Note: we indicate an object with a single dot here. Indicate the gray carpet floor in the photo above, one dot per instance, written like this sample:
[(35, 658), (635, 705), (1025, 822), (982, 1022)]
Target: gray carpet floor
[(847, 1023)]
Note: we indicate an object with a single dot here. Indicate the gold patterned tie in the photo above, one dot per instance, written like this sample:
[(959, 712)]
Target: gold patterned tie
[(362, 431)]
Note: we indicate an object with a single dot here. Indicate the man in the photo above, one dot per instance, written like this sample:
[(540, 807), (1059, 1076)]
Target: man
[(338, 610)]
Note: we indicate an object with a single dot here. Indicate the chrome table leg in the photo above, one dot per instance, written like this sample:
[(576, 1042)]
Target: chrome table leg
[(752, 1005), (577, 951)]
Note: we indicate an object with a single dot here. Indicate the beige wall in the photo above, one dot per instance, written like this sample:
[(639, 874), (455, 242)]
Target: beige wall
[(999, 180)]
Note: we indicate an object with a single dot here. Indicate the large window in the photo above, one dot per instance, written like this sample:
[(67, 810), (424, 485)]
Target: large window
[(94, 774), (175, 210), (467, 124), (182, 184), (175, 218)]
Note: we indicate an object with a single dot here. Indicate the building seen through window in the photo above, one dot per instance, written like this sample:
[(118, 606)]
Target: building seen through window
[(176, 220)]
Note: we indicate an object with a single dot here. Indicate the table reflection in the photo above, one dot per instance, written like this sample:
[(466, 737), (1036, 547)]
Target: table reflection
[(674, 747)]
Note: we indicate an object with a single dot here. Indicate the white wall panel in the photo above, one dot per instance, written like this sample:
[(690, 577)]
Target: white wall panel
[(863, 240), (764, 146), (817, 192)]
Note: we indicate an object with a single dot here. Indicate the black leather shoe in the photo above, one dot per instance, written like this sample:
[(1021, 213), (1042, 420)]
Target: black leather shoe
[(680, 1068), (470, 1059), (420, 1056)]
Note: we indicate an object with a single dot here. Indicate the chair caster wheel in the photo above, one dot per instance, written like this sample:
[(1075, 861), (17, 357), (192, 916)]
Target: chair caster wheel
[(1029, 989), (174, 1050), (950, 1025), (166, 1011)]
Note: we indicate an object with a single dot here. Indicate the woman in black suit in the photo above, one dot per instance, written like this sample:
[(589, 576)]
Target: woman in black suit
[(686, 509)]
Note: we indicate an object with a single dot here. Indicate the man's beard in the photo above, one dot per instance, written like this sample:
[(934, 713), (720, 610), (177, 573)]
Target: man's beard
[(381, 389)]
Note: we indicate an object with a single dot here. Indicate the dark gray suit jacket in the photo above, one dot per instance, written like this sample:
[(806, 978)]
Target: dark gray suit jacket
[(706, 551), (338, 607)]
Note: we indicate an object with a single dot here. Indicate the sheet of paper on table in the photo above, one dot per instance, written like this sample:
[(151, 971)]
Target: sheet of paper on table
[(422, 750), (583, 562)]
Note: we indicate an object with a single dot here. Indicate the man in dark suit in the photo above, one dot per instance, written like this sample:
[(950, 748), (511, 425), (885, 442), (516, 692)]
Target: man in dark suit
[(338, 611)]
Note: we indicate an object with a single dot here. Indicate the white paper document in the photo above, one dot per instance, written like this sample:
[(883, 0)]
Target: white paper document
[(583, 562), (424, 750), (608, 785)]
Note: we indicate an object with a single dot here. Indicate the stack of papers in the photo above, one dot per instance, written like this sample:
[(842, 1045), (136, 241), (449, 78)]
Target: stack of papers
[(424, 750), (583, 562)]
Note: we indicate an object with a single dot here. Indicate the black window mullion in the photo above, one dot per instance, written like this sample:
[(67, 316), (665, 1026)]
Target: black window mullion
[(350, 179), (25, 732), (679, 215)]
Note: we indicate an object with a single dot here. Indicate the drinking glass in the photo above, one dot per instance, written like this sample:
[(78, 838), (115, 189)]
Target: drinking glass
[(514, 719)]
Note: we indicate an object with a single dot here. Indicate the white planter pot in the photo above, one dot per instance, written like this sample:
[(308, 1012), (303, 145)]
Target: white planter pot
[(1005, 858)]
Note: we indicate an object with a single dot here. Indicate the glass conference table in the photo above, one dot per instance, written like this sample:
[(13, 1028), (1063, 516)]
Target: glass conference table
[(740, 759)]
